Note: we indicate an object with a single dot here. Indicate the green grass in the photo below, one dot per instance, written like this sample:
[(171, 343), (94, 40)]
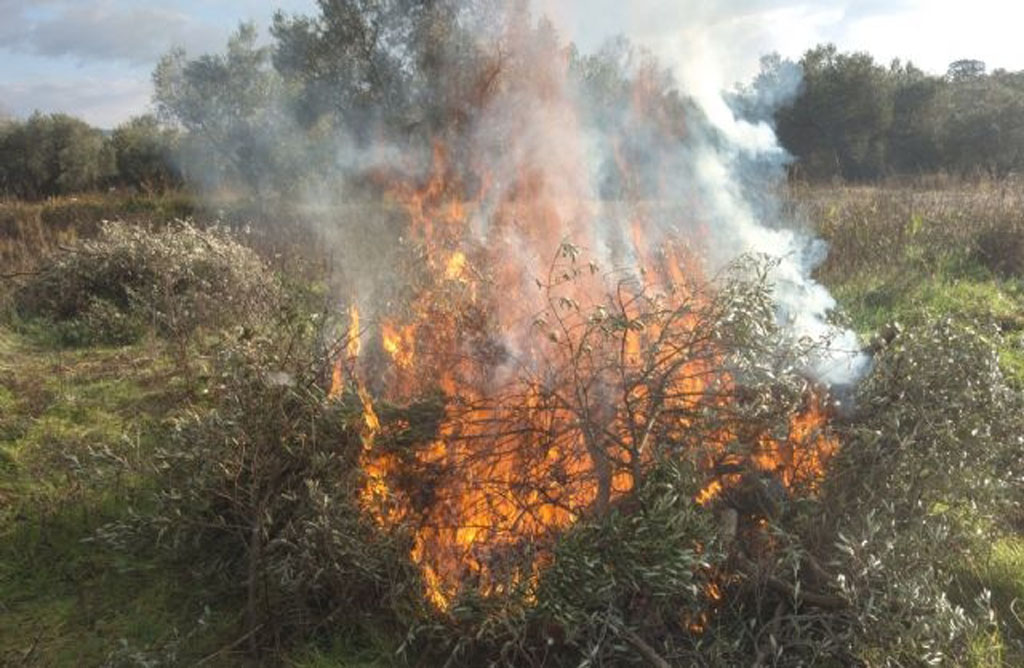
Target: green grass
[(75, 427), (345, 651), (997, 572), (872, 301)]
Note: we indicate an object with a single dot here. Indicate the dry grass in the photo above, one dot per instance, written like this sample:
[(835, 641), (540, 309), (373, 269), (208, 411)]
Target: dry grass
[(918, 226), (31, 229)]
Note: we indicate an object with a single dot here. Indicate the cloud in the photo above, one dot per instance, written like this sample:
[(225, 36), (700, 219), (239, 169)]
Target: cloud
[(734, 33), (724, 37), (94, 58), (103, 102), (103, 30)]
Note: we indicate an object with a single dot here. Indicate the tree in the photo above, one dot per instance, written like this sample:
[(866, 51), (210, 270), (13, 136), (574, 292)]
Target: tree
[(984, 128), (229, 106), (916, 134), (405, 69), (143, 151), (776, 85), (838, 126), (961, 70), (52, 155)]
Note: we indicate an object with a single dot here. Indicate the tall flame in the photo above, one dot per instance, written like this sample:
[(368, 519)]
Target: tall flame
[(546, 365), (520, 467)]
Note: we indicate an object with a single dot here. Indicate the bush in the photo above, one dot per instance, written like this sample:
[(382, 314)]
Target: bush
[(174, 280), (101, 321), (259, 496), (864, 572), (262, 494), (930, 472)]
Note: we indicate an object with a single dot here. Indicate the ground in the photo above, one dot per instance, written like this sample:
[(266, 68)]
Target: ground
[(68, 417)]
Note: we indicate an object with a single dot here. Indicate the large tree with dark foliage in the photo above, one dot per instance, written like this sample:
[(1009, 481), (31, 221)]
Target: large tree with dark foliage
[(52, 155), (858, 120), (143, 153), (838, 125)]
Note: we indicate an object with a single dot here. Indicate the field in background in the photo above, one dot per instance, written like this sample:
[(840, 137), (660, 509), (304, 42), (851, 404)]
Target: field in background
[(897, 253), (902, 253)]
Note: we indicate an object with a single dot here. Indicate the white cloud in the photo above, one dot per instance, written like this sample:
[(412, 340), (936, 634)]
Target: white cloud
[(934, 33), (103, 102), (103, 30), (735, 33), (94, 58)]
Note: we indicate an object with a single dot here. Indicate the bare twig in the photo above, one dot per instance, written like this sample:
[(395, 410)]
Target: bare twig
[(645, 650), (229, 647), (18, 274), (801, 596)]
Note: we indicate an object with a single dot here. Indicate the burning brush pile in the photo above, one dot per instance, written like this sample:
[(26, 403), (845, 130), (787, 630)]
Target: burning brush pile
[(562, 392), (579, 336), (585, 406)]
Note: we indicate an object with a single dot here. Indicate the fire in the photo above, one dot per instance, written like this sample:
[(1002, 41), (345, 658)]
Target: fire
[(352, 345), (351, 354), (400, 344), (801, 459), (710, 492), (561, 379), (337, 379), (456, 265), (517, 465)]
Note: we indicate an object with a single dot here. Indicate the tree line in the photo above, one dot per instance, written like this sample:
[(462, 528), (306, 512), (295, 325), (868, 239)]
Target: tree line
[(56, 154), (264, 117), (855, 119)]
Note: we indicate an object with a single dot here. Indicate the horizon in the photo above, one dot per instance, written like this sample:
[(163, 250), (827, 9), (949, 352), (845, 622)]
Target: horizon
[(94, 58)]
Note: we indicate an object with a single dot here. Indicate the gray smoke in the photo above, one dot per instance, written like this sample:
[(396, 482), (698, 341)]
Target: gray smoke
[(567, 146), (737, 165)]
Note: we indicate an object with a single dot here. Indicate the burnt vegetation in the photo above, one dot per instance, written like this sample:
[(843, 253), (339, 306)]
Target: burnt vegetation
[(396, 440)]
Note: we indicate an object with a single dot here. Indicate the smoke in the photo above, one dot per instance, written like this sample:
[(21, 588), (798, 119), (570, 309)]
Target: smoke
[(737, 164), (745, 223), (624, 151)]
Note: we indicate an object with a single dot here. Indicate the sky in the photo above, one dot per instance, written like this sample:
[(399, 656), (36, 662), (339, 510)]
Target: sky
[(94, 58)]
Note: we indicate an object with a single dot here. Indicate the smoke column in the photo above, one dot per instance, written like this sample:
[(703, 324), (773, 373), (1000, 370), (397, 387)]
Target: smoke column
[(735, 166), (624, 153)]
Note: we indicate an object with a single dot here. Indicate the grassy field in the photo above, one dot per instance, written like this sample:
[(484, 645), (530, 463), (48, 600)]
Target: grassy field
[(904, 253), (72, 421), (68, 420)]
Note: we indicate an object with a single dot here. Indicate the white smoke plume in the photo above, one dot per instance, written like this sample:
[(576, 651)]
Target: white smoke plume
[(555, 161), (737, 165)]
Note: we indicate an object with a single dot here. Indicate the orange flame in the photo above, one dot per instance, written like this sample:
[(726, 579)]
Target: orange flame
[(352, 354), (524, 450)]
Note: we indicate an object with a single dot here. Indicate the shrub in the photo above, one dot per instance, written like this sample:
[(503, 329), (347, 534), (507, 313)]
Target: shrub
[(930, 471), (174, 280), (259, 496), (263, 494), (861, 573), (101, 321)]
